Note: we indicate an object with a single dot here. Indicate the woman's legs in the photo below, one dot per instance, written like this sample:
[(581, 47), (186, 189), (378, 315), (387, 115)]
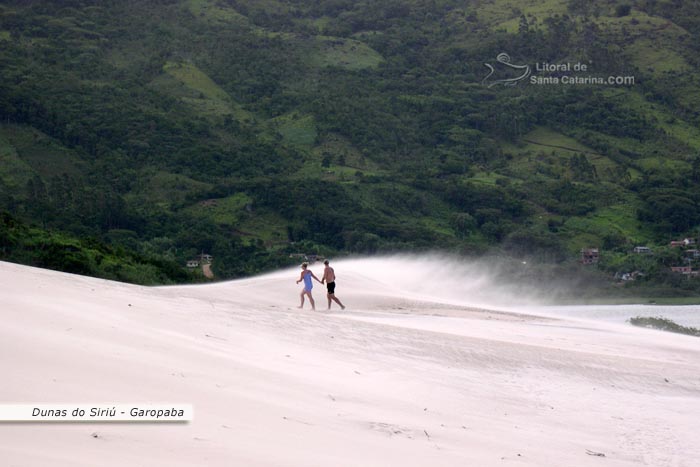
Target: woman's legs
[(311, 299)]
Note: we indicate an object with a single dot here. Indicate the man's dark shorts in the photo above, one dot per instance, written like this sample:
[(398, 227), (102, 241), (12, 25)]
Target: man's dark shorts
[(331, 287)]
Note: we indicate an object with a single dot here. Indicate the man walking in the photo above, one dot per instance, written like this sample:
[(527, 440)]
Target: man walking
[(329, 279)]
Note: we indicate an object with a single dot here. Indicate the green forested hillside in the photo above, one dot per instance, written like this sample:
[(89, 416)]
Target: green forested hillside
[(255, 129)]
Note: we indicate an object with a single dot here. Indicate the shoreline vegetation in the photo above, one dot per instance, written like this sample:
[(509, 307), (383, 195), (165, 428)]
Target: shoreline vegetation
[(664, 324)]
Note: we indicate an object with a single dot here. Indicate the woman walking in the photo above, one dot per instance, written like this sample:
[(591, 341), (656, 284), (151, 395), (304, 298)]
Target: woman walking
[(307, 276)]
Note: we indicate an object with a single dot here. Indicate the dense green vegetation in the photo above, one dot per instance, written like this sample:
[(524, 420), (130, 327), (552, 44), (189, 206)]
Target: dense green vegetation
[(87, 256), (254, 129)]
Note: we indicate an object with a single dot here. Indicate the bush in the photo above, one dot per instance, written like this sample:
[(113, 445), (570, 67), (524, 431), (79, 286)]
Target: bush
[(623, 10), (664, 324)]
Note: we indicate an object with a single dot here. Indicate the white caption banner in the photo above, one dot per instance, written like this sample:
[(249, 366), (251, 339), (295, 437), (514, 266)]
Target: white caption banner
[(96, 413)]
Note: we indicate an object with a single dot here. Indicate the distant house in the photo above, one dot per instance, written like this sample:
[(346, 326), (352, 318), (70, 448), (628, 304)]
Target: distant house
[(642, 250), (683, 243), (694, 254), (590, 255), (314, 258), (682, 269), (207, 203), (629, 276), (200, 260), (205, 258), (311, 259)]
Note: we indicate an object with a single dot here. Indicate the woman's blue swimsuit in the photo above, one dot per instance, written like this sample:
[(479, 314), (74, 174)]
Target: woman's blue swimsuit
[(308, 285)]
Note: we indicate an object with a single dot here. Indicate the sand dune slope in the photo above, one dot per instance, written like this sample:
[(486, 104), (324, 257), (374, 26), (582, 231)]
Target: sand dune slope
[(398, 379)]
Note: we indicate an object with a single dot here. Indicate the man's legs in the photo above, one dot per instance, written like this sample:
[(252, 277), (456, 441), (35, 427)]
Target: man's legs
[(335, 299)]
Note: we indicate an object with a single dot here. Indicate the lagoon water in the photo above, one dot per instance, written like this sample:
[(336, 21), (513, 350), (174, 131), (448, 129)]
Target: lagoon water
[(686, 315)]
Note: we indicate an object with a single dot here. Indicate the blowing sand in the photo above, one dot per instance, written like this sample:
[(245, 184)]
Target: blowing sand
[(401, 378)]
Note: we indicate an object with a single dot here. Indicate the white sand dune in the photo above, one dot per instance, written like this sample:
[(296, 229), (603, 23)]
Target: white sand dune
[(406, 376)]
